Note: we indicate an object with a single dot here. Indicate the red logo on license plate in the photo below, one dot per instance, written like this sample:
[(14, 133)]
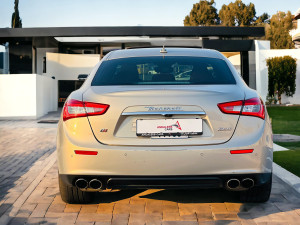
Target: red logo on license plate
[(177, 125)]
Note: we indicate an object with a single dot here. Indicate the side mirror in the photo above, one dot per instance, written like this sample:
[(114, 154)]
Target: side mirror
[(82, 76)]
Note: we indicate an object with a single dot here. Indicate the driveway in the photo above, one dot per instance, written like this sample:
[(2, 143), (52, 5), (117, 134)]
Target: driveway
[(29, 192)]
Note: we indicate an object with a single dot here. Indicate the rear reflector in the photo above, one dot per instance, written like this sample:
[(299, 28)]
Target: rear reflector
[(241, 151), (74, 108), (80, 152), (249, 107)]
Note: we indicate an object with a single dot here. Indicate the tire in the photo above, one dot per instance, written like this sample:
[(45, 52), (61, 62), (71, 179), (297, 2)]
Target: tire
[(74, 195), (257, 194)]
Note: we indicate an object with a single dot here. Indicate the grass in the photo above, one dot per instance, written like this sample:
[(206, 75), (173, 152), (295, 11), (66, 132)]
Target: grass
[(290, 160), (285, 119)]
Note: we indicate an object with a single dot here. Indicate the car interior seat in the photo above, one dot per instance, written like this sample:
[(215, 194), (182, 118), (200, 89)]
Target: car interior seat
[(164, 74), (128, 73), (201, 75)]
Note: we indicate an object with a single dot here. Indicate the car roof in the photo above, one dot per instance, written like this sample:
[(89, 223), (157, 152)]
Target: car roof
[(144, 52)]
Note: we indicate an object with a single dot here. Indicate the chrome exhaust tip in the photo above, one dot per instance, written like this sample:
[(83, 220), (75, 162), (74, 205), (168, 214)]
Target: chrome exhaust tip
[(233, 183), (95, 184), (247, 183), (81, 183)]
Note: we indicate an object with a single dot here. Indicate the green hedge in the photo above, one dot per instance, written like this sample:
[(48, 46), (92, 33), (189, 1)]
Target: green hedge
[(282, 76)]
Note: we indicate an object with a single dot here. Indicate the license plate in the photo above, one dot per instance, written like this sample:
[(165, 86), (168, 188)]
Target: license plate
[(169, 127)]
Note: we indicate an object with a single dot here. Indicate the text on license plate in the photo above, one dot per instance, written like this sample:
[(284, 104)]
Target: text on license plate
[(171, 127)]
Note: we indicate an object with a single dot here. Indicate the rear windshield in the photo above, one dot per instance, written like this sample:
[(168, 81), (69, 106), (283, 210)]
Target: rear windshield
[(160, 70)]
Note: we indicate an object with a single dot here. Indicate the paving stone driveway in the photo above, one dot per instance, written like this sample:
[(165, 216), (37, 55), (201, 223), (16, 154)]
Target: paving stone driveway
[(22, 145), (26, 146)]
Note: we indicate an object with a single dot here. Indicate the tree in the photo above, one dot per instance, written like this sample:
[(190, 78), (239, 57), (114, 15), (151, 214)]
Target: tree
[(16, 21), (262, 20), (237, 14), (203, 13), (278, 30), (282, 76)]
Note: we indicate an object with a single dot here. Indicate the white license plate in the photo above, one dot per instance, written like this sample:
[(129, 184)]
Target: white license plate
[(169, 127)]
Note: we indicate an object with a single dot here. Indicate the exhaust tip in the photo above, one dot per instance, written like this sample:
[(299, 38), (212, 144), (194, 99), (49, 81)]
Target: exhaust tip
[(81, 183), (233, 183), (247, 183), (95, 184)]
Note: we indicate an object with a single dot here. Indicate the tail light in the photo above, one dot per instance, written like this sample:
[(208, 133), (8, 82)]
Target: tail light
[(74, 108), (249, 107)]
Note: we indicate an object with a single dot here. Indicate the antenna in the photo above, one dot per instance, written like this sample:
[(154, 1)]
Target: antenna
[(163, 50)]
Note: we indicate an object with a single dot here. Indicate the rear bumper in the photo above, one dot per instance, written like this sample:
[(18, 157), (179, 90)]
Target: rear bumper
[(167, 162), (168, 182), (205, 160)]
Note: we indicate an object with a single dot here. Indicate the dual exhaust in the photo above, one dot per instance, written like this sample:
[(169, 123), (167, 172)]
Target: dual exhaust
[(231, 183), (236, 183), (84, 184)]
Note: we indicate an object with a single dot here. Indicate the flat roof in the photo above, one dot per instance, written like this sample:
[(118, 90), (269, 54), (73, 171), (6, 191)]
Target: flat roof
[(228, 39), (153, 31)]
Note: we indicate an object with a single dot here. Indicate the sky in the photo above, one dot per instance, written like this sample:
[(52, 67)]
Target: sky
[(64, 13)]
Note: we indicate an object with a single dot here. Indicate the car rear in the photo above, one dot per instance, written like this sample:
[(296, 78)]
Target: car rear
[(178, 119)]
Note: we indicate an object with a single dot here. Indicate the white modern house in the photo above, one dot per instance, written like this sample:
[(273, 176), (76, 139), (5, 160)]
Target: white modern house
[(296, 32), (40, 66)]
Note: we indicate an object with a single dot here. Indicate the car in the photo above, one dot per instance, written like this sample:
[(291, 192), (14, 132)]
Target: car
[(124, 129)]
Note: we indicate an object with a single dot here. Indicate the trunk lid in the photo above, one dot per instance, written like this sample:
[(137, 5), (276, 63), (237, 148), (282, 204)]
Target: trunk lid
[(131, 103)]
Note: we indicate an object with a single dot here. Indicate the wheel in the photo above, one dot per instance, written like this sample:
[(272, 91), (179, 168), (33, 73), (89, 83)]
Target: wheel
[(257, 194), (70, 194)]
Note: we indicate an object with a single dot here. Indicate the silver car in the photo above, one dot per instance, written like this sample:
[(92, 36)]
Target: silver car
[(164, 118)]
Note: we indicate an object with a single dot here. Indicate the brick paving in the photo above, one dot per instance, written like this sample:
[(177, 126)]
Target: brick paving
[(129, 207), (163, 207), (23, 144)]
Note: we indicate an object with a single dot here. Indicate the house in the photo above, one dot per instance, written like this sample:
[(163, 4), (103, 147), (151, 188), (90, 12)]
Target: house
[(40, 66)]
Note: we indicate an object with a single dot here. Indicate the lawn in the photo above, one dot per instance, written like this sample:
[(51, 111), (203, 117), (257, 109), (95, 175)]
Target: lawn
[(290, 160), (285, 119)]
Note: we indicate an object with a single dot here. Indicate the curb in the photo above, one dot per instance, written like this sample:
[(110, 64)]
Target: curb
[(13, 210), (277, 148), (287, 177), (286, 138)]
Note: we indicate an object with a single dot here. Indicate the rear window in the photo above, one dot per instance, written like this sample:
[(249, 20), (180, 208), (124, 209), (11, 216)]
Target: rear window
[(160, 70)]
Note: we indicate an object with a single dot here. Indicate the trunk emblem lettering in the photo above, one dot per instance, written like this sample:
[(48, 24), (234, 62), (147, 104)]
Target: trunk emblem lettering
[(162, 108), (224, 129)]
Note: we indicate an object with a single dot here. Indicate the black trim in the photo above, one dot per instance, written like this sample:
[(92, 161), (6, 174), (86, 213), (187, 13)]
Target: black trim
[(152, 31), (167, 182), (245, 66), (228, 45)]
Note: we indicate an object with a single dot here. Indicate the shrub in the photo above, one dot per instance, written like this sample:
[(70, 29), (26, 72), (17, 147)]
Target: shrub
[(282, 76)]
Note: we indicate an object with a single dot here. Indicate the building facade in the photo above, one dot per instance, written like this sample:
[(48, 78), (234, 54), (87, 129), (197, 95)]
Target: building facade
[(43, 64)]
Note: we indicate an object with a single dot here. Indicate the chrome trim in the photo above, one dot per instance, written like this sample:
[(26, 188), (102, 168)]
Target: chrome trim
[(230, 180), (246, 179), (95, 180), (164, 113)]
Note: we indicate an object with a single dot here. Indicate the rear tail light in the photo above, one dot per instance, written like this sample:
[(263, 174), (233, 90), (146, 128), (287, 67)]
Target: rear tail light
[(249, 107), (74, 108), (254, 107)]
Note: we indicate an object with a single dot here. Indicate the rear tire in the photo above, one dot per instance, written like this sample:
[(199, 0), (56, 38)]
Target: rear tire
[(73, 195), (257, 194)]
